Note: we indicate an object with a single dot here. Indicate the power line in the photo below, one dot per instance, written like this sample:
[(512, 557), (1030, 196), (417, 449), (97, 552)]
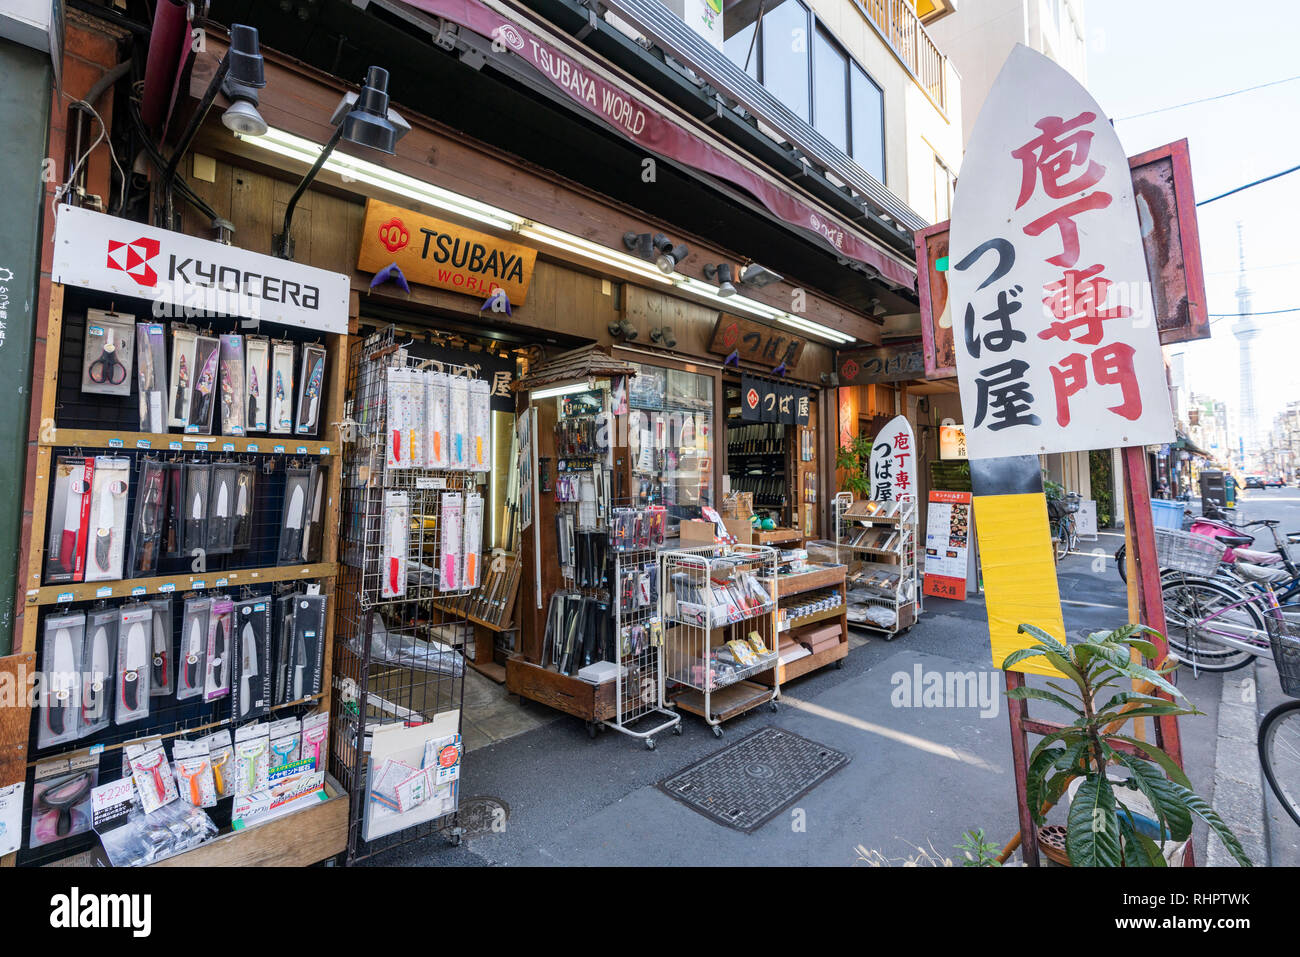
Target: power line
[(1208, 99), (1249, 185), (1258, 312)]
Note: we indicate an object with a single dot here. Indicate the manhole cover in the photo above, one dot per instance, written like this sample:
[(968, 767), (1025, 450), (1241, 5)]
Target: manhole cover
[(745, 785), (482, 815)]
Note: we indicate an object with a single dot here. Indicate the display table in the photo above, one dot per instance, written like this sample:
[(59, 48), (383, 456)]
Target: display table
[(794, 590)]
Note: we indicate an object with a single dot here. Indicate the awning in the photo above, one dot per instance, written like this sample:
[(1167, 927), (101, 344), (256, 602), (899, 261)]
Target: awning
[(1183, 442)]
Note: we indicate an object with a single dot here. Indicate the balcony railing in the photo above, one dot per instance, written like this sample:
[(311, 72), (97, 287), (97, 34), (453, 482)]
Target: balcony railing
[(896, 21)]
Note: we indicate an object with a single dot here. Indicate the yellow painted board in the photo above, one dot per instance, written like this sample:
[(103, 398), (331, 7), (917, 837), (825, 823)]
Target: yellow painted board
[(1019, 575)]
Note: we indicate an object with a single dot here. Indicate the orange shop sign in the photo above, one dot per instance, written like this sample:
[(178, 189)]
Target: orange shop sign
[(436, 253)]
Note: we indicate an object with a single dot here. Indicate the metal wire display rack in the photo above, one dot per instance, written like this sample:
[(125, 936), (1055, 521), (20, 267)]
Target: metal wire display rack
[(878, 542), (638, 646), (719, 608), (398, 658)]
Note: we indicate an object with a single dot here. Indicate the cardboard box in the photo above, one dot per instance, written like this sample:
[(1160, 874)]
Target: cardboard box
[(696, 532)]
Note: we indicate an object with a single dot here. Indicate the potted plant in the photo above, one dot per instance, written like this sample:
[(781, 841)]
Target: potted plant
[(1104, 828), (855, 460)]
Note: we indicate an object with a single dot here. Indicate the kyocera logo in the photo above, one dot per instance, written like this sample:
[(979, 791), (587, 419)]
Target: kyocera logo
[(133, 259), (394, 234)]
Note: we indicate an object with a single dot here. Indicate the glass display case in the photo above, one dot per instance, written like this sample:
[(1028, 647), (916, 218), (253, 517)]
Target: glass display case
[(670, 439)]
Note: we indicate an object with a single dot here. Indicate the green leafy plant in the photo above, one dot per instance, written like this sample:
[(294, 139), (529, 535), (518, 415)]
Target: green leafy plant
[(854, 460), (977, 851), (1053, 490), (1102, 830)]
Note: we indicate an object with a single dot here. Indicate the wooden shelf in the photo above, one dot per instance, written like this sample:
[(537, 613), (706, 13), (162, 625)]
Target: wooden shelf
[(815, 617), (810, 663), (778, 536), (727, 702), (135, 587), (826, 576), (51, 436)]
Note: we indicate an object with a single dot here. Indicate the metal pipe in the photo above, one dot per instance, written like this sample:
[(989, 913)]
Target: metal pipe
[(282, 247)]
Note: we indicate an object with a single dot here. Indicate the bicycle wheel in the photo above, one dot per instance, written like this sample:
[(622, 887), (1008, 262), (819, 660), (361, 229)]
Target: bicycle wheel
[(1195, 607), (1279, 753), (1061, 541)]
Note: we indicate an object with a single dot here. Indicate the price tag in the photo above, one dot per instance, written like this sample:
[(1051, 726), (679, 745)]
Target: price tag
[(201, 446), (143, 444), (324, 450), (302, 450), (137, 591), (278, 449), (222, 583), (251, 447), (227, 446), (104, 591), (198, 583), (114, 443), (174, 446), (167, 587), (64, 596)]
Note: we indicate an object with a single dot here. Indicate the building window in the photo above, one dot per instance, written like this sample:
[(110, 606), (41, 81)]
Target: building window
[(831, 89), (825, 88), (868, 110)]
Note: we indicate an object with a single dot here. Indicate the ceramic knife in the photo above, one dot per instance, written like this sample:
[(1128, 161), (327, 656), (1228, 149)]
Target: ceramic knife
[(241, 507), (280, 402), (248, 667), (312, 395), (194, 650), (201, 411), (59, 716), (72, 518), (396, 554), (94, 680), (218, 662), (252, 397), (134, 687), (104, 530), (316, 503), (293, 523), (195, 523), (160, 650), (299, 666), (223, 511), (182, 391)]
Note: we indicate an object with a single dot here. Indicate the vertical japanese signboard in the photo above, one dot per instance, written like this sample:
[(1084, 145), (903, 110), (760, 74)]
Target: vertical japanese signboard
[(947, 544), (1057, 348), (893, 463)]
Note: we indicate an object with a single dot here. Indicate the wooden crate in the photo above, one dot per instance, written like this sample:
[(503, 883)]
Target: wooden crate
[(561, 692)]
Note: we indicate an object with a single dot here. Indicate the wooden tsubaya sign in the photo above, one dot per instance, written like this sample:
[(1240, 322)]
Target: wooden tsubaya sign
[(890, 363), (755, 342), (432, 252)]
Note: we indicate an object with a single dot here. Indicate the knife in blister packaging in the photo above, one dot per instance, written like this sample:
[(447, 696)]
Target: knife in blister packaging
[(223, 510), (72, 518), (219, 648), (201, 410), (193, 652), (94, 680), (313, 395), (160, 649), (299, 666), (195, 520), (293, 524), (104, 527), (134, 686), (248, 667), (58, 712), (318, 499)]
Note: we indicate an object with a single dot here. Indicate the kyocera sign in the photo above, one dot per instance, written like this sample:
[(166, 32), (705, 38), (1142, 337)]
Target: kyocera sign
[(184, 276)]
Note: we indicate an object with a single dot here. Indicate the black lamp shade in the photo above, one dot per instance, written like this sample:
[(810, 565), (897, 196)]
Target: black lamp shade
[(367, 123)]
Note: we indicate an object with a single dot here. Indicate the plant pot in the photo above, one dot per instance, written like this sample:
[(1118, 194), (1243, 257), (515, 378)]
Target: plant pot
[(1136, 801)]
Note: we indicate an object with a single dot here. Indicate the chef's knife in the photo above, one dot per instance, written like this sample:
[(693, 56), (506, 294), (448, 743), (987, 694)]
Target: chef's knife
[(182, 391), (149, 507), (193, 652), (194, 525), (201, 411), (223, 511), (104, 530), (248, 667), (94, 680), (72, 517), (160, 650), (299, 667), (241, 508), (316, 502), (293, 523), (134, 687), (58, 714), (252, 397), (218, 662)]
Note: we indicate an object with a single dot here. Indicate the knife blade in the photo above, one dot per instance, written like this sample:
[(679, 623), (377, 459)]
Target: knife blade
[(72, 517), (310, 532), (182, 391), (396, 556), (313, 395), (248, 667), (92, 682), (201, 410), (150, 502), (104, 532), (133, 685), (281, 690), (281, 403), (293, 523), (223, 510), (252, 397), (58, 717), (218, 662), (160, 649), (300, 666), (194, 647)]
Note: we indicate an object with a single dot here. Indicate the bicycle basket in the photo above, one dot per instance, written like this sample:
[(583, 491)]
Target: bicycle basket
[(1187, 553), (1284, 636), (1056, 509)]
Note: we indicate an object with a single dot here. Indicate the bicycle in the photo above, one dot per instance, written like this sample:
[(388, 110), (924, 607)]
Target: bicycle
[(1060, 512), (1279, 733)]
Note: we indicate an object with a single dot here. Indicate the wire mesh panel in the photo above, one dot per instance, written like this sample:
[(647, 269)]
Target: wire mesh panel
[(411, 550), (1284, 637), (719, 608), (638, 625)]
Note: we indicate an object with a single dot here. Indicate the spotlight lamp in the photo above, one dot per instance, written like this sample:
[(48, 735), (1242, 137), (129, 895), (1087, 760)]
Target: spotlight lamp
[(244, 77), (758, 276), (725, 276), (663, 336), (361, 118), (658, 249), (623, 329)]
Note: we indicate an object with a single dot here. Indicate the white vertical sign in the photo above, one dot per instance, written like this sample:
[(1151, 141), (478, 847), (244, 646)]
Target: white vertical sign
[(1057, 348), (893, 462)]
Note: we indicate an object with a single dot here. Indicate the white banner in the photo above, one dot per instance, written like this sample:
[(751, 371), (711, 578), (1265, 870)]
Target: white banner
[(187, 277), (893, 463), (1057, 347)]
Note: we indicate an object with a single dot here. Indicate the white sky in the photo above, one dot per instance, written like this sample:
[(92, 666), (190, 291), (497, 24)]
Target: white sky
[(1145, 55)]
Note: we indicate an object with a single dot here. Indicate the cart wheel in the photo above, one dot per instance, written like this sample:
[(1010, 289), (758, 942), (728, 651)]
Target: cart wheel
[(717, 731), (455, 839), (649, 744), (677, 728), (773, 705), (591, 730)]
